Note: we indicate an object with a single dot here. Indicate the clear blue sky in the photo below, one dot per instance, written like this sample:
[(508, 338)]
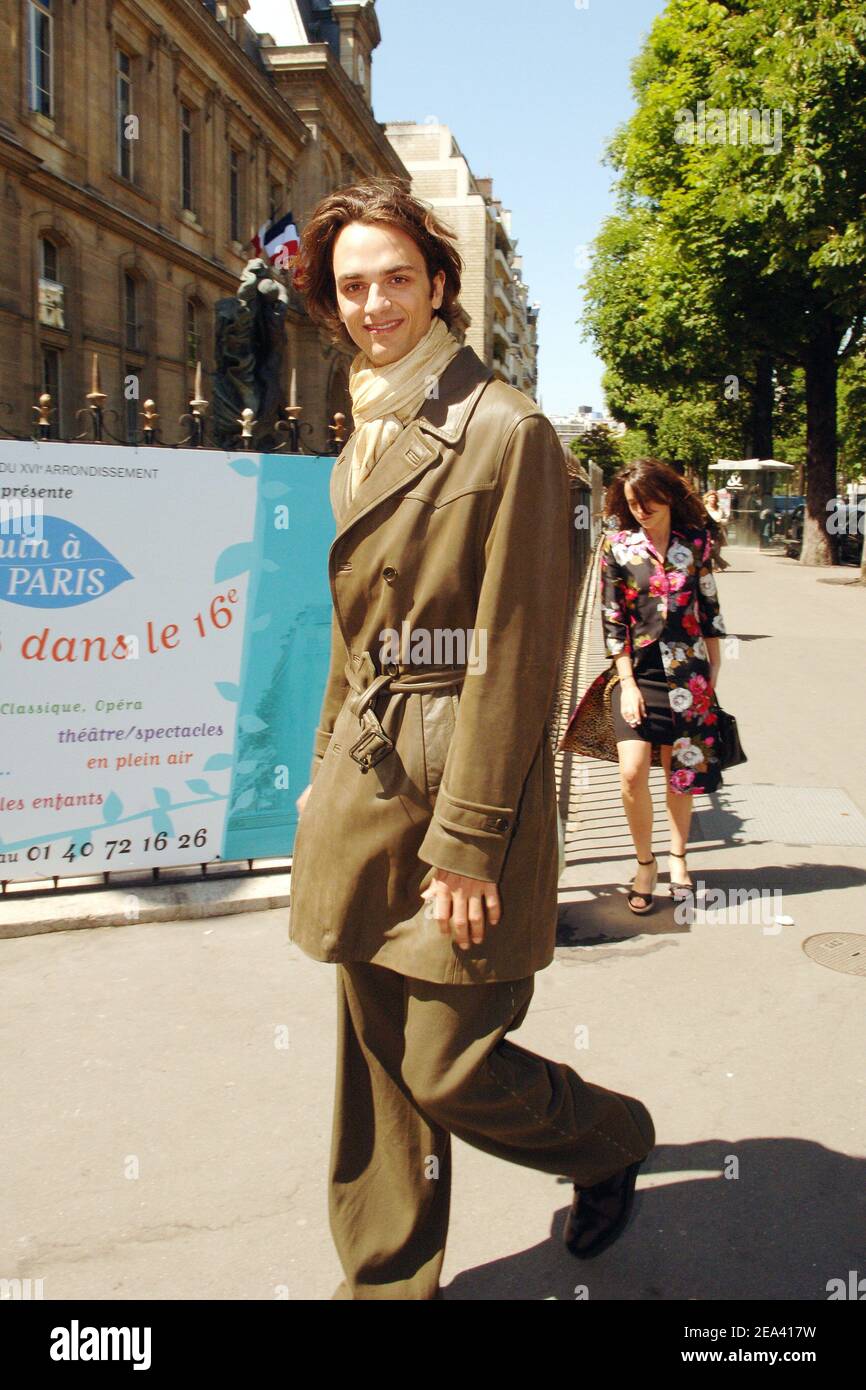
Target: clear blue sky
[(532, 91)]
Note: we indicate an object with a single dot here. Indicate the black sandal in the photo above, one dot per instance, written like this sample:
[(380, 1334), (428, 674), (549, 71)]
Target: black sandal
[(680, 892), (646, 896)]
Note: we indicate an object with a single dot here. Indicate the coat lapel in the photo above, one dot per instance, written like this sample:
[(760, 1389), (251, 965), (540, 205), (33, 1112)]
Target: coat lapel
[(441, 418)]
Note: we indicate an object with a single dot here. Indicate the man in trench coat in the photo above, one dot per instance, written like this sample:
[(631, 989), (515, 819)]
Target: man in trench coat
[(433, 770)]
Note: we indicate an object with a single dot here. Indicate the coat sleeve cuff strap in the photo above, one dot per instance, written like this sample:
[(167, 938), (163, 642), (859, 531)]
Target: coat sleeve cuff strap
[(468, 837)]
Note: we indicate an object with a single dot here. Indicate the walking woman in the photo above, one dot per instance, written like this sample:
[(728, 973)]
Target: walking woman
[(661, 621), (715, 522)]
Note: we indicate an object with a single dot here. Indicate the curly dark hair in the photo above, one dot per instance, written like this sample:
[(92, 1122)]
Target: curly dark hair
[(386, 201), (654, 481)]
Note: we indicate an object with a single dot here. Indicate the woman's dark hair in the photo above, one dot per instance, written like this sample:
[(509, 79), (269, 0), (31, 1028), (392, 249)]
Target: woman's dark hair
[(654, 481), (377, 200)]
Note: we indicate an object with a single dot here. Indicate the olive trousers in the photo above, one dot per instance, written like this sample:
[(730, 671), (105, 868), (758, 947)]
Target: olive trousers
[(419, 1061)]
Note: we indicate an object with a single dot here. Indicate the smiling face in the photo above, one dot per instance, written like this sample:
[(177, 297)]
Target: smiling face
[(651, 513), (384, 295)]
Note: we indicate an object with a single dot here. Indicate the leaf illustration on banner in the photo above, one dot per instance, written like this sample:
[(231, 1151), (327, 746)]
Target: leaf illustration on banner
[(228, 690), (235, 559), (161, 796), (270, 566), (261, 622), (199, 785), (160, 821), (247, 765), (67, 567), (275, 489), (245, 467), (244, 800), (251, 724), (218, 762), (112, 808)]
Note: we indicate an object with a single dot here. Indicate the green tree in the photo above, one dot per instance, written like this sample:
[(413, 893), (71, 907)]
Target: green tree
[(852, 418), (600, 446), (746, 250)]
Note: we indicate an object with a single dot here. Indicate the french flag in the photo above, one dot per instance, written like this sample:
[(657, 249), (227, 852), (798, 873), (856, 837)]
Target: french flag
[(277, 241)]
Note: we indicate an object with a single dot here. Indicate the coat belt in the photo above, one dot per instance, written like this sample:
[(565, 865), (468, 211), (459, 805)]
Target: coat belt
[(374, 744)]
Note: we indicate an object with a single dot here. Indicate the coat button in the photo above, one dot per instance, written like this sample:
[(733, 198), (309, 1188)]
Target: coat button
[(389, 572), (499, 823)]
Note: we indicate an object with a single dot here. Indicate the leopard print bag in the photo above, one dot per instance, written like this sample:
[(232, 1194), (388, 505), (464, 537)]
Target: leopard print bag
[(590, 729)]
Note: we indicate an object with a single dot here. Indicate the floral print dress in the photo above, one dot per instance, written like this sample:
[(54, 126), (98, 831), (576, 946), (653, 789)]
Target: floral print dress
[(672, 600)]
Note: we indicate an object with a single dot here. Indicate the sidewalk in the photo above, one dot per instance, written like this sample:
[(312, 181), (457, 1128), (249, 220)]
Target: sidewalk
[(169, 1086)]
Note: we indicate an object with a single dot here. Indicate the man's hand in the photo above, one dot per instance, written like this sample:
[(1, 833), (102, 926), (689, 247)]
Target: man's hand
[(460, 902), (302, 799)]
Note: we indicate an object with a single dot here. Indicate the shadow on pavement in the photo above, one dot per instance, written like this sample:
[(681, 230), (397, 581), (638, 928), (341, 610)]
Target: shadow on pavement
[(792, 1220), (604, 917)]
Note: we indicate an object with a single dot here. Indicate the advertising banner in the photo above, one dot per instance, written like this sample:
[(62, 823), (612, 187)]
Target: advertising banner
[(164, 642)]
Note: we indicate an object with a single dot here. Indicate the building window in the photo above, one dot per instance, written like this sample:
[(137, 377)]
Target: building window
[(124, 111), (226, 18), (186, 158), (51, 384), (130, 305), (50, 291), (40, 56), (130, 406), (50, 261), (276, 198), (193, 333), (235, 194)]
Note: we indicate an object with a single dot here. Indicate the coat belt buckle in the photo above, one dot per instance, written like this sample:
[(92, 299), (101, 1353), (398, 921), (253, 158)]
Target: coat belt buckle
[(373, 745)]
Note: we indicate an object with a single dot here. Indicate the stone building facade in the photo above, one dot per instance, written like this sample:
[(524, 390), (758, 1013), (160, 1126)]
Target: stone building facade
[(141, 145), (503, 324)]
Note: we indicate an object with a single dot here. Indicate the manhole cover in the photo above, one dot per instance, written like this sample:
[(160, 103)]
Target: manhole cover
[(838, 950)]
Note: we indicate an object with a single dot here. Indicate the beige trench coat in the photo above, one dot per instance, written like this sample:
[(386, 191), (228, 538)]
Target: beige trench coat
[(455, 549)]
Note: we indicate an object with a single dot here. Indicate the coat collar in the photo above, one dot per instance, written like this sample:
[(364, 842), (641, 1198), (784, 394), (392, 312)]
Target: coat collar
[(442, 418)]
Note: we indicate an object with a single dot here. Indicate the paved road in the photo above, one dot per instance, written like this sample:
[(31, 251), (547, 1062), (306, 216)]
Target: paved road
[(169, 1085)]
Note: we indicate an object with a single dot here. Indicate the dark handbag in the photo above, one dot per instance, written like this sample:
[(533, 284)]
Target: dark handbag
[(730, 750)]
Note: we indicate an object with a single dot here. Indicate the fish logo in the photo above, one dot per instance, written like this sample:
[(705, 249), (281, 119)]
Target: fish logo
[(62, 568)]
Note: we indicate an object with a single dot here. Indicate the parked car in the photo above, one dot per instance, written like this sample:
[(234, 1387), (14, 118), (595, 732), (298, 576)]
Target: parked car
[(850, 524), (847, 522), (783, 504)]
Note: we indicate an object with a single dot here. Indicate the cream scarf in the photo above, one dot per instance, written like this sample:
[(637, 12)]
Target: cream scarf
[(385, 399)]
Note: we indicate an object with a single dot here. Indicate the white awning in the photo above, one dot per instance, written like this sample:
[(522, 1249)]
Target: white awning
[(751, 466)]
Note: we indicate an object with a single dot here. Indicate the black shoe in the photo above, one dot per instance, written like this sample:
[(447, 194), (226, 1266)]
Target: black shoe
[(641, 902), (599, 1214), (681, 892)]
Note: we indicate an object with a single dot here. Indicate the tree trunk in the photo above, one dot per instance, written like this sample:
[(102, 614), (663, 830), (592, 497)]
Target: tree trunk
[(762, 409), (821, 442)]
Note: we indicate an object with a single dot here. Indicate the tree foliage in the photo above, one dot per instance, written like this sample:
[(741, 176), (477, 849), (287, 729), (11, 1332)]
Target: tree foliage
[(739, 238)]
